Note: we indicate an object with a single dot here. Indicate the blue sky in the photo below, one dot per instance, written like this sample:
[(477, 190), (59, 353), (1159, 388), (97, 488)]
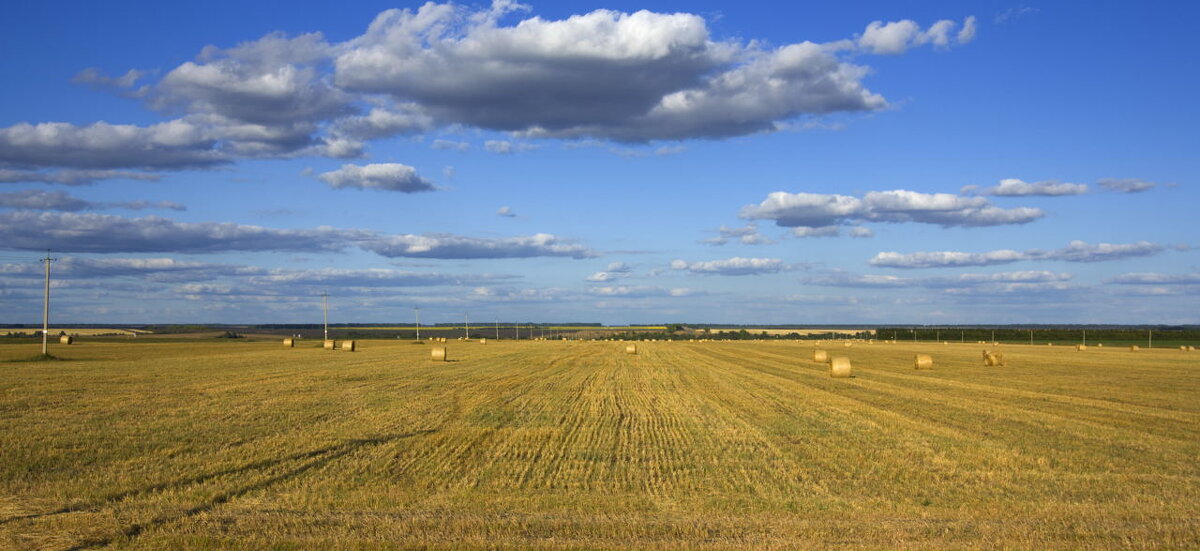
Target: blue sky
[(859, 162)]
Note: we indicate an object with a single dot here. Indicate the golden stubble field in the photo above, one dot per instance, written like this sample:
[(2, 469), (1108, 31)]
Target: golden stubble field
[(575, 445)]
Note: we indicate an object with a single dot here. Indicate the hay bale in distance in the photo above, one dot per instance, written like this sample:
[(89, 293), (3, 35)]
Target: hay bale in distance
[(346, 346), (631, 349), (438, 353), (482, 341), (992, 359), (1133, 348), (330, 344), (289, 343), (922, 361), (820, 356), (847, 345), (1080, 347), (66, 339), (839, 367)]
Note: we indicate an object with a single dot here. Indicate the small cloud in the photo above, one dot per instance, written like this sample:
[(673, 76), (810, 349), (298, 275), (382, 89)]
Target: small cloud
[(823, 231), (384, 176), (451, 145), (1014, 13), (1013, 187), (506, 212), (735, 266), (1076, 251), (669, 150), (505, 147), (1125, 185), (614, 271), (861, 232)]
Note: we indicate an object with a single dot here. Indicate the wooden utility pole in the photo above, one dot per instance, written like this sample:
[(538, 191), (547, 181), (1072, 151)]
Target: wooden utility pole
[(46, 306), (325, 305)]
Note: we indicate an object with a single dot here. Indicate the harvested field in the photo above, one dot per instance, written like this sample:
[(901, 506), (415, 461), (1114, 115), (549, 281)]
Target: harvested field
[(565, 445)]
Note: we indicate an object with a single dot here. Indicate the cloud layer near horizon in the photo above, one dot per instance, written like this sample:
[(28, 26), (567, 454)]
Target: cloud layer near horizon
[(104, 233)]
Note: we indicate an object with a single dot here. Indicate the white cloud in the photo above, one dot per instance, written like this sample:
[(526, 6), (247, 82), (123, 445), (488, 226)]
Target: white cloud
[(384, 176), (1150, 278), (818, 211), (967, 33), (624, 76), (627, 77), (450, 144), (382, 122), (963, 284), (506, 212), (732, 266), (614, 271), (639, 291), (1076, 251), (1013, 187), (861, 232), (897, 37), (57, 200), (461, 247), (172, 144), (823, 231), (73, 177), (92, 77), (271, 81), (100, 233), (506, 147), (746, 235), (1125, 185)]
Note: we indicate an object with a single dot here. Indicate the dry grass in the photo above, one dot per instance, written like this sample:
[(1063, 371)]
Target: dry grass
[(554, 445)]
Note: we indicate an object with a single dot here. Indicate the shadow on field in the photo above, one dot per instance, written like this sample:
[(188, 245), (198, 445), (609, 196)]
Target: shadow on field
[(312, 459)]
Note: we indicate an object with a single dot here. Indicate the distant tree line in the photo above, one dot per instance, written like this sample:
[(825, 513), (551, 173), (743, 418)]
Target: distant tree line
[(1039, 334)]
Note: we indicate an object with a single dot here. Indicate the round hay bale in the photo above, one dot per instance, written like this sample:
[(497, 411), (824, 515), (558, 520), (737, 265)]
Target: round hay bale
[(289, 343), (1133, 348), (482, 341), (631, 349), (347, 346), (820, 356), (330, 344), (1183, 348), (993, 359), (66, 339), (839, 367), (847, 345), (922, 361), (1080, 347), (1100, 345), (438, 353)]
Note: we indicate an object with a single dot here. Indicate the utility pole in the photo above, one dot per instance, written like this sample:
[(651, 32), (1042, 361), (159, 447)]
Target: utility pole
[(517, 326), (325, 307), (1149, 335), (46, 305), (466, 327), (1085, 337), (417, 313), (497, 328)]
